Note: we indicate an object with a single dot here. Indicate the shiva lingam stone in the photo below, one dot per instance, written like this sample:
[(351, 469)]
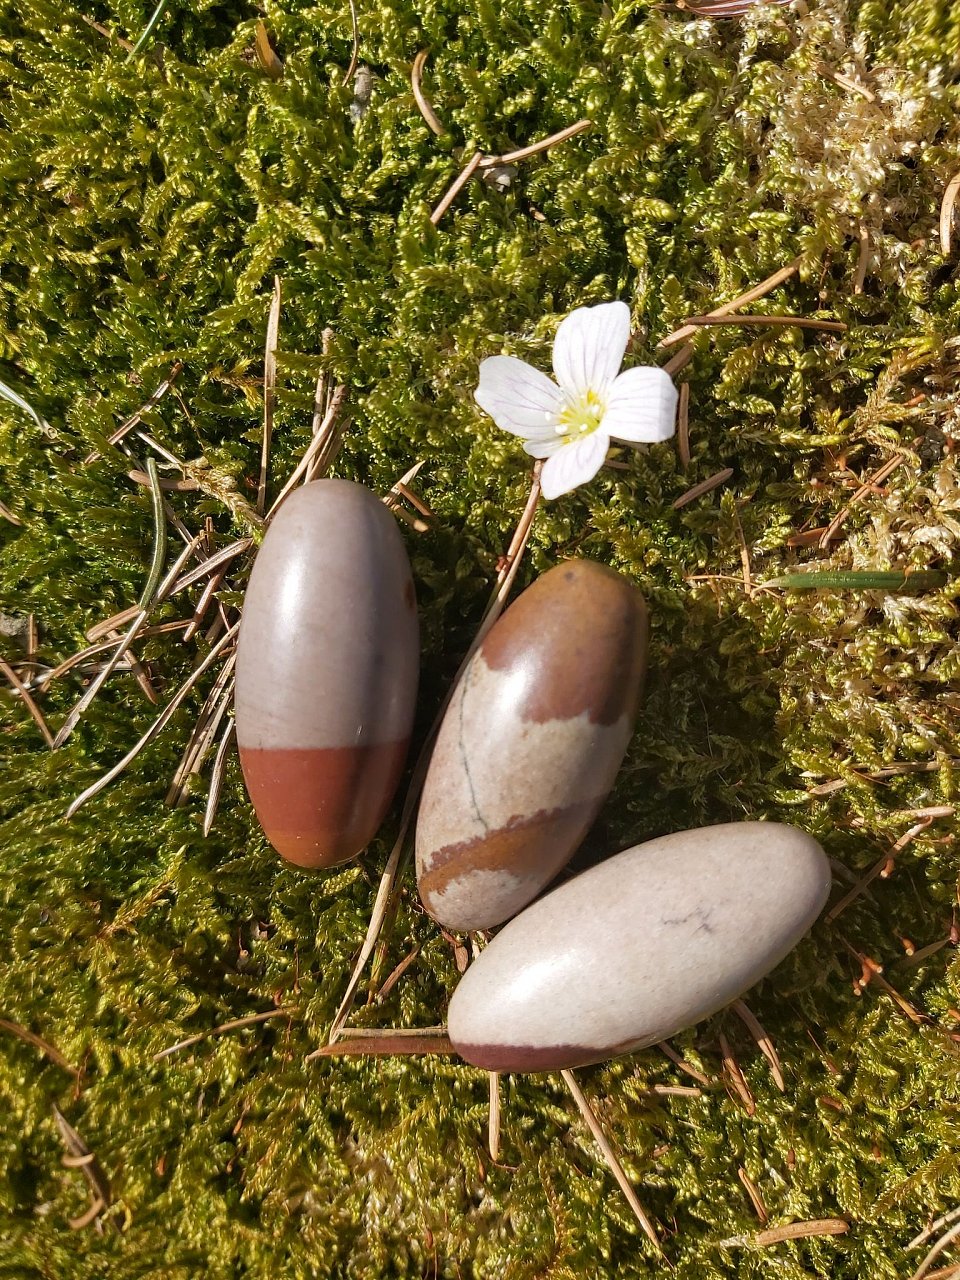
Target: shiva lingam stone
[(327, 671), (640, 947), (530, 744)]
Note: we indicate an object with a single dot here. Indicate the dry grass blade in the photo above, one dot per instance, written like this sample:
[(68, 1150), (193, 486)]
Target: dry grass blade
[(683, 425), (792, 1231), (881, 474), (705, 486), (266, 54), (946, 214), (126, 640), (863, 260), (28, 702), (216, 777), (493, 1123), (423, 103), (848, 82), (158, 725), (524, 153), (79, 1156), (946, 1239), (394, 977), (457, 186), (319, 442), (38, 1042), (796, 322), (355, 55), (236, 1024), (269, 388), (727, 308), (609, 1155), (764, 1043)]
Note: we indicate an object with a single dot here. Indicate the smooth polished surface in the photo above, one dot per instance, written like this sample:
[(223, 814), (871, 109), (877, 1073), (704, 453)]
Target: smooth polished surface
[(634, 950), (327, 669), (530, 745)]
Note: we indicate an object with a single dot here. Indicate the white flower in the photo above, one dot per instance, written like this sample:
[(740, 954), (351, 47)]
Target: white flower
[(571, 424)]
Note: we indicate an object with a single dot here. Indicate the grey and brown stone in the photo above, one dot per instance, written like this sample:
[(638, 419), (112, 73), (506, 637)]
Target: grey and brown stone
[(634, 950), (327, 669), (531, 744)]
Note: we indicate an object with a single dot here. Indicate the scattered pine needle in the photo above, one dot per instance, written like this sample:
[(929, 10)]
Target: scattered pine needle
[(148, 30), (879, 868), (79, 1156), (868, 486), (355, 55), (234, 1025), (266, 54), (400, 1041), (727, 308), (159, 536), (705, 486), (946, 214), (423, 103), (610, 1156), (736, 1076), (524, 153), (759, 1208), (764, 1043), (135, 419), (934, 1227), (269, 388), (666, 1048), (28, 702), (792, 1231), (863, 261), (493, 1125), (216, 777), (319, 446), (457, 186), (680, 360), (945, 1240), (795, 322), (860, 580), (683, 425), (7, 514), (38, 1042)]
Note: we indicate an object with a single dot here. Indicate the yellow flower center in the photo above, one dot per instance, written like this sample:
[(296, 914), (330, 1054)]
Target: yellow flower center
[(581, 416)]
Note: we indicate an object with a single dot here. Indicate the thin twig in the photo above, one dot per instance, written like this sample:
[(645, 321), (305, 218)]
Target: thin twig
[(355, 55), (493, 1120), (158, 725), (946, 214), (764, 1043), (705, 486), (216, 777), (727, 308), (683, 425), (796, 322), (126, 640), (457, 186), (610, 1156), (269, 391), (881, 474), (423, 103), (234, 1025), (28, 702), (524, 153), (38, 1042)]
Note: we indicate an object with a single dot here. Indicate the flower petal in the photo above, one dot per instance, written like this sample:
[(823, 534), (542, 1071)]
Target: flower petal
[(574, 464), (589, 346), (518, 397), (543, 448), (642, 406)]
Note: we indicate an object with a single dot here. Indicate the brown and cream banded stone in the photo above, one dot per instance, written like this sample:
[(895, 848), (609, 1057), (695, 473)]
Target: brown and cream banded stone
[(530, 745), (327, 666)]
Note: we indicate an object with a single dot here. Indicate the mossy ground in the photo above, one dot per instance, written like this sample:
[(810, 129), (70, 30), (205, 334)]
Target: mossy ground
[(146, 205)]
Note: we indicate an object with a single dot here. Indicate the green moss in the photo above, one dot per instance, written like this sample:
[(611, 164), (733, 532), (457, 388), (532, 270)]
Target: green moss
[(144, 208)]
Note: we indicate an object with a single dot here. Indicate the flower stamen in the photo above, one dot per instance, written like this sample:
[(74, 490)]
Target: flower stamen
[(581, 416)]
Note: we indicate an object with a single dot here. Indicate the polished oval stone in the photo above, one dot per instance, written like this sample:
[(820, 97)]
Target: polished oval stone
[(327, 669), (530, 745), (639, 947)]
